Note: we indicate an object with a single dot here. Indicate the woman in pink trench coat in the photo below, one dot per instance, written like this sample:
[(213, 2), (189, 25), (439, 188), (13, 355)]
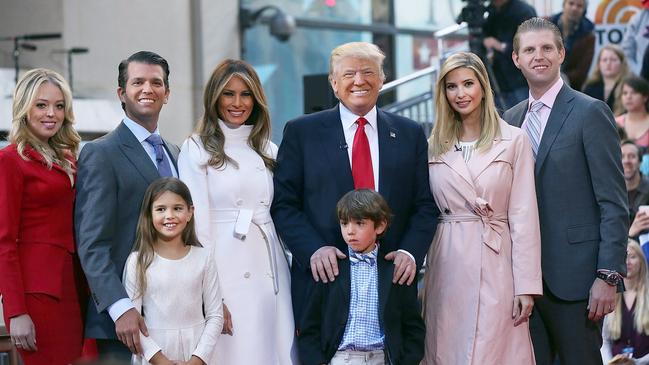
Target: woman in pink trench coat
[(484, 265)]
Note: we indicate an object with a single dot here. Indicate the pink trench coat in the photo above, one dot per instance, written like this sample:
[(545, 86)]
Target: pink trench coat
[(487, 249)]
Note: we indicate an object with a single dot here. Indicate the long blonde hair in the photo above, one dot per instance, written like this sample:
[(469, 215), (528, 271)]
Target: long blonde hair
[(448, 122), (596, 75), (208, 128), (66, 140), (146, 235), (641, 311)]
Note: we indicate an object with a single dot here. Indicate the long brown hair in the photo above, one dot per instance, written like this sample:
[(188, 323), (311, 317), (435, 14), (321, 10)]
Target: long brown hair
[(66, 140), (146, 235), (208, 128)]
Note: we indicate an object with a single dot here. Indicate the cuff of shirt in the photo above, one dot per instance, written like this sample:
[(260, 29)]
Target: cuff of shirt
[(119, 307), (409, 255)]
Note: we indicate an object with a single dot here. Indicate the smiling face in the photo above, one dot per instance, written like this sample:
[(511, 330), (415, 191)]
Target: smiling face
[(356, 82), (630, 161), (235, 102), (47, 112), (464, 92), (144, 94), (539, 59), (170, 215), (361, 234)]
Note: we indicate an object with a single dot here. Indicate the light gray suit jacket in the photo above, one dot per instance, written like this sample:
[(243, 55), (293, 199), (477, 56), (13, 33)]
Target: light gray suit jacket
[(113, 173), (581, 193)]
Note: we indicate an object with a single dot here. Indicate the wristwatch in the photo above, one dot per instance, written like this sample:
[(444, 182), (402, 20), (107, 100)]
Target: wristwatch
[(612, 278)]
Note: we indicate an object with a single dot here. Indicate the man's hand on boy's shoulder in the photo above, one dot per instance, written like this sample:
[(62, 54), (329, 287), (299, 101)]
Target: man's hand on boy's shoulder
[(324, 263), (405, 268)]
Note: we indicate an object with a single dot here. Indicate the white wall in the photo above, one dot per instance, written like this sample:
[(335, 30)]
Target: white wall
[(193, 35)]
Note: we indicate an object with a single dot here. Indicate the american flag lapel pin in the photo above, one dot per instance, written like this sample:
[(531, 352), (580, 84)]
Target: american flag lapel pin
[(393, 135)]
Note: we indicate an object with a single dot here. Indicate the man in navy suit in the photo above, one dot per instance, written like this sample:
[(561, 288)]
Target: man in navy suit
[(326, 154), (581, 197), (114, 172)]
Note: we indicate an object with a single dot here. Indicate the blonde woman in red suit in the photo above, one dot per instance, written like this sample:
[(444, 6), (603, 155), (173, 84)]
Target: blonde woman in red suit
[(39, 274)]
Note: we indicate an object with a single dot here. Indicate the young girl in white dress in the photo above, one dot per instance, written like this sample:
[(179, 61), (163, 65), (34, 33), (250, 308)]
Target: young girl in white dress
[(172, 280)]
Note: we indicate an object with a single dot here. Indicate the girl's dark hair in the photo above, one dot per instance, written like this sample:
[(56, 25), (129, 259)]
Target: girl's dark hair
[(363, 204), (146, 235), (639, 85)]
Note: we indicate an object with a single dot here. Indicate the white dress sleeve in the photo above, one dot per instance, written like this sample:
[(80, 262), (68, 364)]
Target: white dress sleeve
[(213, 305), (192, 170), (149, 346)]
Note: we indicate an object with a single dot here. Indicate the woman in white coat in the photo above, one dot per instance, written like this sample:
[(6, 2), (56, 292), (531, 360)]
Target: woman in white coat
[(227, 164)]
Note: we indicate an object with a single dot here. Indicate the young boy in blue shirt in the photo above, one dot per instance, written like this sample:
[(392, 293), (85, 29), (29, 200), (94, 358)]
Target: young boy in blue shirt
[(362, 317)]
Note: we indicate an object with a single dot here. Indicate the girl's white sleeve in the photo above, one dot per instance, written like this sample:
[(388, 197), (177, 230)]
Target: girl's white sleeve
[(149, 346), (213, 304)]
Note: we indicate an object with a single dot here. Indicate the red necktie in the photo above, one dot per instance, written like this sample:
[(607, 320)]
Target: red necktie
[(361, 158)]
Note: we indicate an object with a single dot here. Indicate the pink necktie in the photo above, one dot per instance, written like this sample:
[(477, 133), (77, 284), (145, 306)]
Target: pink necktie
[(361, 158)]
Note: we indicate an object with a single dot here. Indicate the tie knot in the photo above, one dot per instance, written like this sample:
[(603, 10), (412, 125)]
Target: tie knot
[(536, 106), (154, 140), (361, 121)]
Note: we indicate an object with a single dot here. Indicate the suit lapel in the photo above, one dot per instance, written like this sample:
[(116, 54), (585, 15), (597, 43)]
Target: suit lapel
[(455, 161), (136, 154), (560, 111), (334, 148), (479, 161), (385, 272), (388, 137), (173, 153)]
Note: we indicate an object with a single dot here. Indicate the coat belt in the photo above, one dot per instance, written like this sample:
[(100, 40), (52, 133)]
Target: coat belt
[(492, 227)]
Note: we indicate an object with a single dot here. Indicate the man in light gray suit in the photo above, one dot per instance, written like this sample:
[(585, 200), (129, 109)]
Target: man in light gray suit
[(113, 173), (581, 197)]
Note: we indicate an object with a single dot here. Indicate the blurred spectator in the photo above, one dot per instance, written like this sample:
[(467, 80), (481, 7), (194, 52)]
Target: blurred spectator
[(626, 329), (645, 65), (637, 186), (504, 17), (636, 38), (635, 95), (578, 39), (610, 69)]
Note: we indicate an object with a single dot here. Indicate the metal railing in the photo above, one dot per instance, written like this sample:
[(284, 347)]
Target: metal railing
[(421, 107)]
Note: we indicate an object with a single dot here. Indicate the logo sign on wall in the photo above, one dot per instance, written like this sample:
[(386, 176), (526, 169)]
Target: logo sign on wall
[(611, 17)]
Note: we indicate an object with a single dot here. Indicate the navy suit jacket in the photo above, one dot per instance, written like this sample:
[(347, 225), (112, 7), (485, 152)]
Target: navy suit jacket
[(313, 172), (327, 311), (581, 193), (113, 174)]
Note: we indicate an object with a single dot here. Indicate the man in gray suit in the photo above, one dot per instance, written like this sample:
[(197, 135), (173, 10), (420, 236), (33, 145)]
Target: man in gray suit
[(581, 198), (113, 173)]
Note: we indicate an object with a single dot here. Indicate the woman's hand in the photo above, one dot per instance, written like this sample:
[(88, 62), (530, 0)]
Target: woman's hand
[(640, 223), (227, 321), (23, 333), (523, 305)]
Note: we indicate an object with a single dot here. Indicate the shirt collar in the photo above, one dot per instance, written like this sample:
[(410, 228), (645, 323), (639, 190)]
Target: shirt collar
[(348, 118), (549, 97), (138, 131)]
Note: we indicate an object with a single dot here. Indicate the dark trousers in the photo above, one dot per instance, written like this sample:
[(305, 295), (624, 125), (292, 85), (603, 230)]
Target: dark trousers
[(113, 350), (562, 329)]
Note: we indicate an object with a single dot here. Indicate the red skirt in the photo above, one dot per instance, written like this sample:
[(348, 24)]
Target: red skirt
[(58, 323)]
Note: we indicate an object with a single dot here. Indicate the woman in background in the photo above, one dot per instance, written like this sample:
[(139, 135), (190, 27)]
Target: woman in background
[(635, 100), (39, 272), (603, 84)]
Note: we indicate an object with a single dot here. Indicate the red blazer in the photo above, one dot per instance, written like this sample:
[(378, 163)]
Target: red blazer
[(36, 228)]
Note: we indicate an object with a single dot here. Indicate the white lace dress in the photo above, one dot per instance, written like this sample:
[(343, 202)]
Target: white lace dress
[(172, 306)]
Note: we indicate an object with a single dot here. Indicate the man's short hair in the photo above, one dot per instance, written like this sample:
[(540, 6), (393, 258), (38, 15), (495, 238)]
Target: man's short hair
[(363, 204), (632, 143), (147, 57), (537, 24), (360, 50)]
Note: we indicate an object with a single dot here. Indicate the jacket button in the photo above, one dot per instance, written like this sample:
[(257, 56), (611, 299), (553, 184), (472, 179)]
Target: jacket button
[(246, 275), (447, 211), (239, 202)]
